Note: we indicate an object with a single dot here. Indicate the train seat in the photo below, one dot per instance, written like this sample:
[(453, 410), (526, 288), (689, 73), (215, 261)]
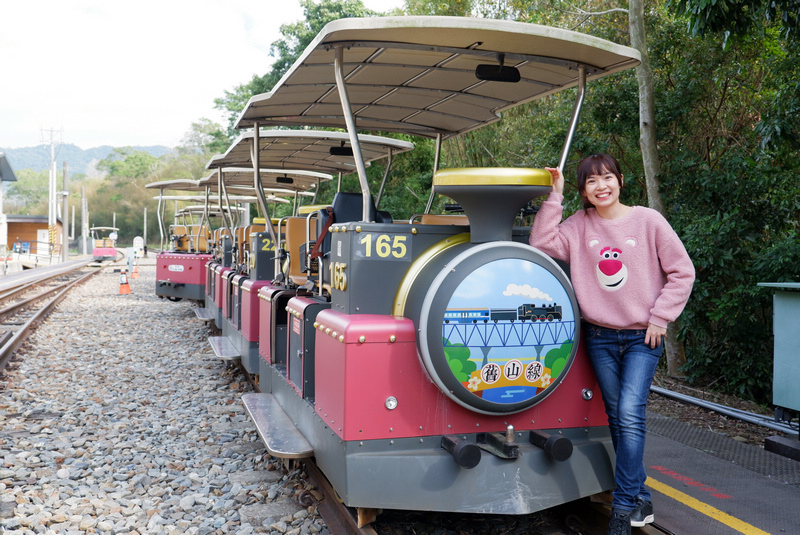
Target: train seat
[(241, 241), (199, 238), (346, 207), (179, 236), (295, 238)]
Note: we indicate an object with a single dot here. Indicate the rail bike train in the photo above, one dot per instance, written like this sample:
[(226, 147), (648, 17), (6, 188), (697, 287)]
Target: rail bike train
[(188, 244), (104, 243), (341, 312)]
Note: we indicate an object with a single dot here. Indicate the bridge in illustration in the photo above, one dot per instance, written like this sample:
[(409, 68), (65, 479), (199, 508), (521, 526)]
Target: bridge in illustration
[(509, 334)]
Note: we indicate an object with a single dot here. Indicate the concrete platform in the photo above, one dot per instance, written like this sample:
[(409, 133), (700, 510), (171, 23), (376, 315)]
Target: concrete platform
[(705, 483)]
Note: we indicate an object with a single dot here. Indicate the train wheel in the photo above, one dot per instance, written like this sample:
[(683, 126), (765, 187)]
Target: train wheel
[(174, 299)]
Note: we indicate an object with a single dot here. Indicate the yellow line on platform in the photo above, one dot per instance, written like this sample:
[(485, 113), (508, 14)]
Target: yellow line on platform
[(704, 508)]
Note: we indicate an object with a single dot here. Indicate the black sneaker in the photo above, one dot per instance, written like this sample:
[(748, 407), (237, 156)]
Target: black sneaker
[(620, 523), (642, 514)]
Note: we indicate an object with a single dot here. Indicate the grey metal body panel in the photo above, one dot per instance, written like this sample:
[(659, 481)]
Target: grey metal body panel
[(785, 325), (375, 276), (379, 276), (301, 348), (262, 252), (195, 292), (416, 473)]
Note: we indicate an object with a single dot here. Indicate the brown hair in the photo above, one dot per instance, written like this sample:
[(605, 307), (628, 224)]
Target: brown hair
[(596, 164)]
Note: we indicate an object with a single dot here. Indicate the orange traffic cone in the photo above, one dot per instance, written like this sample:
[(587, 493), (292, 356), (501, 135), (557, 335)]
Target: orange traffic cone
[(135, 274), (124, 287)]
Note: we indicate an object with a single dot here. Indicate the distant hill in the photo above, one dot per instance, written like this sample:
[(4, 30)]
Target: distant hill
[(78, 159)]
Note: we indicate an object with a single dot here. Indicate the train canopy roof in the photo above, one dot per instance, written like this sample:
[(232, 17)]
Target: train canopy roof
[(240, 179), (306, 150), (430, 76), (200, 198), (178, 184)]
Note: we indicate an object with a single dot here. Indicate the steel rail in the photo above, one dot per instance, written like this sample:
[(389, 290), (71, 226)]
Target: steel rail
[(10, 345), (749, 417)]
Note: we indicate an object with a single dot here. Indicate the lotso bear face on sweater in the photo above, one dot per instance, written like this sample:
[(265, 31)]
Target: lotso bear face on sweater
[(610, 270)]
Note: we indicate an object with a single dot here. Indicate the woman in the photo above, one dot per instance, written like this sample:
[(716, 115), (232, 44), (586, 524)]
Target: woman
[(632, 276)]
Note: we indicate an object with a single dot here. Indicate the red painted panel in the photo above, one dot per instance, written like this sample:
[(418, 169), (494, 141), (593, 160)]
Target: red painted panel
[(250, 309), (354, 379), (181, 268), (219, 285)]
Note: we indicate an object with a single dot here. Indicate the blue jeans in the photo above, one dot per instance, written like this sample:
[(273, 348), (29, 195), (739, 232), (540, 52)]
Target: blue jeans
[(625, 367)]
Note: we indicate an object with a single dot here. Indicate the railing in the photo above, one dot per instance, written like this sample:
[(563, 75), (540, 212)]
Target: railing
[(46, 254)]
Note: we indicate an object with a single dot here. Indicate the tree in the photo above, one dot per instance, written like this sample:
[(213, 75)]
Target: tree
[(673, 348), (740, 17), (459, 8), (126, 163), (29, 194)]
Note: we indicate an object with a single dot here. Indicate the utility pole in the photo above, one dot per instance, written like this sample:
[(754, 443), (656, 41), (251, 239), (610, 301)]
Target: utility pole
[(84, 221), (53, 199), (64, 218)]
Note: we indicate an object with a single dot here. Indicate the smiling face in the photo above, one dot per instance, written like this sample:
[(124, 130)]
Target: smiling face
[(599, 181), (602, 190)]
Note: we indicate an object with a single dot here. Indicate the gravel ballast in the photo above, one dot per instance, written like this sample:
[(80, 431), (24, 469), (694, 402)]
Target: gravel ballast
[(115, 417)]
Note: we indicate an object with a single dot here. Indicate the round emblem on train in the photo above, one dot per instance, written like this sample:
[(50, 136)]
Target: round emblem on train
[(498, 327)]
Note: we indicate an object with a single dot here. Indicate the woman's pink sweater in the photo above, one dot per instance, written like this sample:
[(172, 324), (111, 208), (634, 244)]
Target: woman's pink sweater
[(626, 272)]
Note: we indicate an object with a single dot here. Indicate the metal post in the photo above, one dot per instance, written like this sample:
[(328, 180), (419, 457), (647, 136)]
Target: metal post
[(84, 222), (573, 122), (144, 232), (255, 157), (438, 151), (338, 64), (65, 217)]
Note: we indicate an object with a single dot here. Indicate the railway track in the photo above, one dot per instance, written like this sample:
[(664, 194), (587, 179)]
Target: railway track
[(24, 305)]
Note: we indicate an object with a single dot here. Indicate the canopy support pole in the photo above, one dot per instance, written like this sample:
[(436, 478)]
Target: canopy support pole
[(349, 119), (255, 157), (160, 212), (573, 121), (383, 180), (437, 153)]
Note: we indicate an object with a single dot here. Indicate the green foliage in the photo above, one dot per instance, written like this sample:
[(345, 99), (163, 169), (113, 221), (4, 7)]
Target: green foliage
[(739, 222), (458, 358), (739, 17), (457, 8), (127, 163), (29, 195), (557, 358)]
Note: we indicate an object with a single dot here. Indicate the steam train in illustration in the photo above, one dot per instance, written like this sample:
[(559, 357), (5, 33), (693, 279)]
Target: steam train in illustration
[(526, 312), (408, 357)]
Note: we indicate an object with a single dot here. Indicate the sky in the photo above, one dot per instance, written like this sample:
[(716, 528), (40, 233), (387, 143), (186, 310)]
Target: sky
[(120, 73)]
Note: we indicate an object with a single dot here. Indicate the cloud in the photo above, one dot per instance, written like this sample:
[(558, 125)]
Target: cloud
[(130, 73), (527, 290)]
